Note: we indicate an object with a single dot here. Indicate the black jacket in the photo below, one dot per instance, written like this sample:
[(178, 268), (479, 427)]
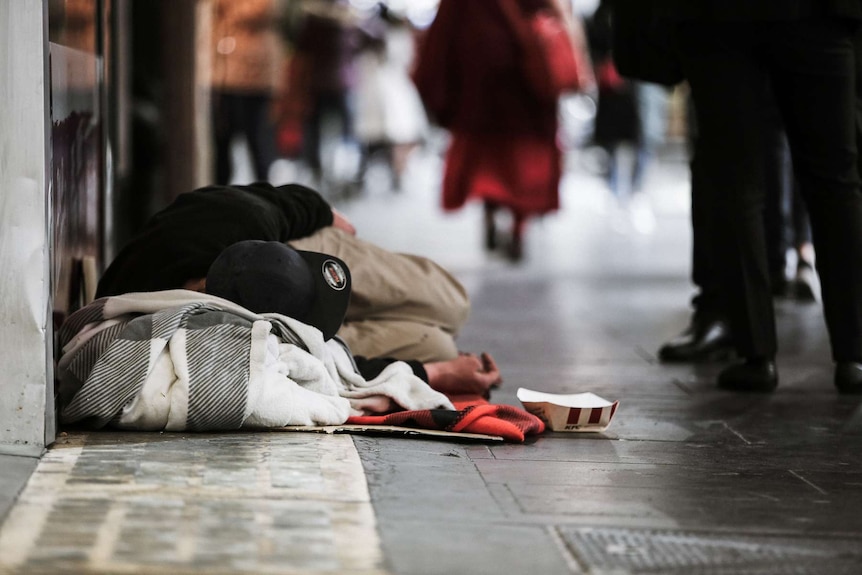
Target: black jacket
[(180, 242)]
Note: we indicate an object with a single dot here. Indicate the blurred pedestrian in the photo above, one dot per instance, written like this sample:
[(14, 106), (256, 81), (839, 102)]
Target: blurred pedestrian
[(328, 36), (730, 52), (631, 120), (504, 148), (246, 63), (390, 118)]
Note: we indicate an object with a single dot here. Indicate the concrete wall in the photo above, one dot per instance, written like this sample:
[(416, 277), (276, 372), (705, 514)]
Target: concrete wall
[(26, 398)]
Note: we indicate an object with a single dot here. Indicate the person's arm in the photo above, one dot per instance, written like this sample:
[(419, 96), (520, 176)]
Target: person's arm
[(466, 374), (302, 210), (369, 368), (306, 211)]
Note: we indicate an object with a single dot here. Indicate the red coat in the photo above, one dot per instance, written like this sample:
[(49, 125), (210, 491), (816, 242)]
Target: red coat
[(504, 143)]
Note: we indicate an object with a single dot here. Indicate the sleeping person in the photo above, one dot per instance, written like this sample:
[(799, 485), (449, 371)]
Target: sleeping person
[(400, 306)]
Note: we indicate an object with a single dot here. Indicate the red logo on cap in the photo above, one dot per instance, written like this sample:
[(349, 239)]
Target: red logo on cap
[(334, 275)]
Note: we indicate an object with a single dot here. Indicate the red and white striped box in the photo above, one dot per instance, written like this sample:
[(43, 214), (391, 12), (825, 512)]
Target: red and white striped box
[(569, 412)]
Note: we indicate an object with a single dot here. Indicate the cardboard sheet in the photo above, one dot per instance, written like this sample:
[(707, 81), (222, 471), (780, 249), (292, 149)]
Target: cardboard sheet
[(393, 430)]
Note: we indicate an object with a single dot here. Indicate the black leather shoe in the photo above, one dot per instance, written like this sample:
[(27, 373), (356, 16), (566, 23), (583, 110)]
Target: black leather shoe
[(701, 341), (848, 377), (755, 375)]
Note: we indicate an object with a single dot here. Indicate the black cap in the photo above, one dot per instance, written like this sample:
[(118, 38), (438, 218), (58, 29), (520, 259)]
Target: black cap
[(266, 277)]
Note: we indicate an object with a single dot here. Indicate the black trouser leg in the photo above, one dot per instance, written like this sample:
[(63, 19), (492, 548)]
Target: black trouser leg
[(727, 88)]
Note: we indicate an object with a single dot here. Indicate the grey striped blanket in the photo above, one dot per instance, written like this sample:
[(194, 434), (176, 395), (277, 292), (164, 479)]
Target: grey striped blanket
[(180, 360)]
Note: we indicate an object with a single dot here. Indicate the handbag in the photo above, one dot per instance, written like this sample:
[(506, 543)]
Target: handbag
[(642, 43), (551, 63)]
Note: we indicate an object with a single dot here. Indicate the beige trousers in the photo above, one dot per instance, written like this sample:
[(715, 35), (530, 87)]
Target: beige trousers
[(402, 306)]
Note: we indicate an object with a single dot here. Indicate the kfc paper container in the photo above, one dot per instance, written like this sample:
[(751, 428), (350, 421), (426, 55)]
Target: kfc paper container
[(572, 412)]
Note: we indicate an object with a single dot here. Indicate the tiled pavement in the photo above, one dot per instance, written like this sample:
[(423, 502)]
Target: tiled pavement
[(213, 503), (688, 479)]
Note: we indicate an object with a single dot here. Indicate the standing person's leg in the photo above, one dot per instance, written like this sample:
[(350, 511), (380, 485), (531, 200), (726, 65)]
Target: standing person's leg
[(806, 283), (615, 126), (259, 129), (223, 127), (613, 175), (311, 138), (813, 70), (778, 182), (343, 106), (490, 209), (652, 110), (651, 105), (515, 249), (727, 86), (707, 337)]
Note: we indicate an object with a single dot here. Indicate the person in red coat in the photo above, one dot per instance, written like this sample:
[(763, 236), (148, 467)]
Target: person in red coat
[(504, 148)]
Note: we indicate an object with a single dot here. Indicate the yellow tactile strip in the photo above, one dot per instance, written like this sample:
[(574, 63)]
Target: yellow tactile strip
[(194, 503)]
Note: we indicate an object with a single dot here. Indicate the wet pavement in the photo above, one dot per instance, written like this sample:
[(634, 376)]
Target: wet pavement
[(687, 478)]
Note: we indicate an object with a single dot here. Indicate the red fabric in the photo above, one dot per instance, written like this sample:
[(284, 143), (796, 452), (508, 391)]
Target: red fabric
[(473, 415), (470, 67), (522, 173)]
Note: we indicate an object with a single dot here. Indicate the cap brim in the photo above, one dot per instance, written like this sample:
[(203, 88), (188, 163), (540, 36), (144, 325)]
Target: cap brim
[(332, 292)]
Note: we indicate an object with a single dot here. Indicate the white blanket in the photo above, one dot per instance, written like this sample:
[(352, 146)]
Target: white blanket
[(180, 360)]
